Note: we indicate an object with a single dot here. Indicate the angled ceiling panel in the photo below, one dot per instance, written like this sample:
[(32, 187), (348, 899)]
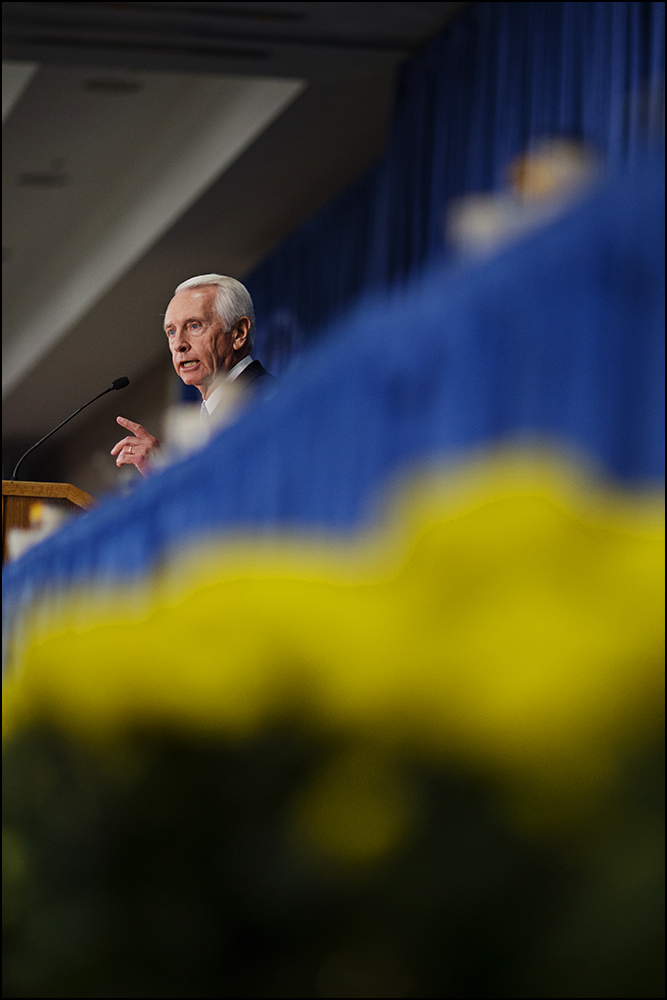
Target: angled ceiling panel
[(152, 151), (145, 142)]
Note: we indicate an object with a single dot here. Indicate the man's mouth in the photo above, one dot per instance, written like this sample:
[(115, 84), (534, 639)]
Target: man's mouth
[(188, 364)]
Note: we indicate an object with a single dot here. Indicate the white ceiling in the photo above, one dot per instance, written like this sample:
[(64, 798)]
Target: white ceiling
[(145, 142), (15, 78), (94, 177)]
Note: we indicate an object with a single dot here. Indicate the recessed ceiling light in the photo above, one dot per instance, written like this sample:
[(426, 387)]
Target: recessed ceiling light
[(109, 85), (43, 179)]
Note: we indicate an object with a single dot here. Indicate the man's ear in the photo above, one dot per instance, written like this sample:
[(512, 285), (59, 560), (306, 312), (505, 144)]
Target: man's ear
[(241, 333)]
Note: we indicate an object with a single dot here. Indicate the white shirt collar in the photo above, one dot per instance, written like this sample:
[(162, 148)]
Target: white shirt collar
[(239, 367), (218, 390)]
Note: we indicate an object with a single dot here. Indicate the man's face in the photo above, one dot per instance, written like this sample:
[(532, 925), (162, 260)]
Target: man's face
[(200, 347)]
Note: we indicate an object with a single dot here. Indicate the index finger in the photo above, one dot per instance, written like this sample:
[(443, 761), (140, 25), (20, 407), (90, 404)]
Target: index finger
[(135, 428)]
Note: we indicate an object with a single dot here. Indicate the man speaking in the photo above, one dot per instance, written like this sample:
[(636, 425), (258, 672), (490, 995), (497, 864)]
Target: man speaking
[(210, 325)]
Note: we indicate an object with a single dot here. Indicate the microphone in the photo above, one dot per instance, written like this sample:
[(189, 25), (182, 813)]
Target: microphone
[(119, 383)]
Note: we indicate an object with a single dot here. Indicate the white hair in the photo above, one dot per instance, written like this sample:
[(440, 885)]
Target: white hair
[(232, 300)]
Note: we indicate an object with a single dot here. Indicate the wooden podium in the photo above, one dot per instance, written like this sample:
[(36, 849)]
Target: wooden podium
[(18, 497)]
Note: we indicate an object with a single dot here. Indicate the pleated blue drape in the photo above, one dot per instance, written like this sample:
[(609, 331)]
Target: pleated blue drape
[(560, 338), (502, 75)]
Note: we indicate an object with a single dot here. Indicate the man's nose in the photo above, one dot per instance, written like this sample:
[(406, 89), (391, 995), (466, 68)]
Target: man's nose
[(179, 341)]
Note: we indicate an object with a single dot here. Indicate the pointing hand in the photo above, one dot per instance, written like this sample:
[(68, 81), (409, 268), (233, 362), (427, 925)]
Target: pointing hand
[(136, 448)]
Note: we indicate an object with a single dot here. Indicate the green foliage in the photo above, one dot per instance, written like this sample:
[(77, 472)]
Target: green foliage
[(174, 867)]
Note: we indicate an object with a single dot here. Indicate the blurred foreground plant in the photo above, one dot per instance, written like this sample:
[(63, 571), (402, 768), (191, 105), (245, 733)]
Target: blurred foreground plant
[(429, 766), (175, 867)]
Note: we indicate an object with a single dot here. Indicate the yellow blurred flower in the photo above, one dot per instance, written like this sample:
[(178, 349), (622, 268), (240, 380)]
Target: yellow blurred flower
[(509, 614)]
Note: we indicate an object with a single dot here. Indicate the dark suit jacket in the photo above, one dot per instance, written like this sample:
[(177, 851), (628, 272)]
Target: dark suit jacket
[(251, 376)]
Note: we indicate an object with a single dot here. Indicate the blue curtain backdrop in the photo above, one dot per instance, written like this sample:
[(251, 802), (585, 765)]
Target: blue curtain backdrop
[(501, 75), (559, 337)]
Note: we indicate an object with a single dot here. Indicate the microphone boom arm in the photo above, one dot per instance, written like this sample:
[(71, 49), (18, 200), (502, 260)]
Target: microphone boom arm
[(119, 383)]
